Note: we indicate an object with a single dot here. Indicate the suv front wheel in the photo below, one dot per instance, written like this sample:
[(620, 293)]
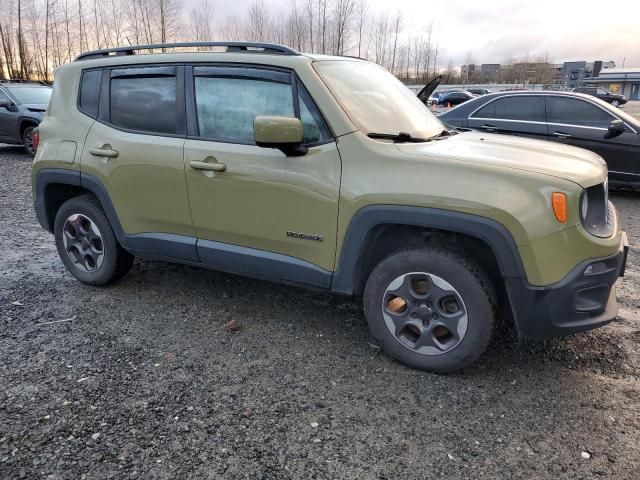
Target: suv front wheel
[(430, 308), (86, 243), (27, 140)]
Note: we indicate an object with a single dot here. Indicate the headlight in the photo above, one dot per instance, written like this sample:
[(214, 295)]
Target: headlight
[(584, 206), (596, 212)]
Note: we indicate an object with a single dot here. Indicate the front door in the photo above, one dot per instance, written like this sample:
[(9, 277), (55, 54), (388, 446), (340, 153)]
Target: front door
[(521, 115), (577, 122), (260, 211), (8, 121), (135, 150)]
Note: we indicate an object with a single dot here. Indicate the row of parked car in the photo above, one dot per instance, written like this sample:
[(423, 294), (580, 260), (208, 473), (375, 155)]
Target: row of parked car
[(455, 97), (585, 117)]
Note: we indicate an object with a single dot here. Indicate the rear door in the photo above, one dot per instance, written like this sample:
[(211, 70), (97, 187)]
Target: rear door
[(522, 115), (578, 122), (274, 207), (135, 150)]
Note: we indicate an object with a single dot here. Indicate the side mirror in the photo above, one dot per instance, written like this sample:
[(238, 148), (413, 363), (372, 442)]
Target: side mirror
[(5, 104), (283, 133), (615, 128)]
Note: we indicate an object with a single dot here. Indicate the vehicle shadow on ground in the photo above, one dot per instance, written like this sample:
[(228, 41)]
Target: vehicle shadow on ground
[(313, 312)]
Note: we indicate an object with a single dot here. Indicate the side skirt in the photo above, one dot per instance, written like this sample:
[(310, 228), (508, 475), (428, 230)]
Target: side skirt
[(227, 258)]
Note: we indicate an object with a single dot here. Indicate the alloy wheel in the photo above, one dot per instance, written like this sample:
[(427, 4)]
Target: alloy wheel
[(83, 242), (28, 141), (425, 313)]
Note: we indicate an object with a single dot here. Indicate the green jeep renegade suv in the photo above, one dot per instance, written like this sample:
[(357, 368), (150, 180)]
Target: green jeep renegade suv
[(325, 172)]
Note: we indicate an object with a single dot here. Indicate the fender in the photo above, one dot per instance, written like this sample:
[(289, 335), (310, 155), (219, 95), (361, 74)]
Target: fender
[(22, 120), (491, 232), (44, 178), (167, 245)]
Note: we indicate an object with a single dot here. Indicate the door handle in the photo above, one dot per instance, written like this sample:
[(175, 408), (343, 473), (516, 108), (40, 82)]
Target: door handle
[(561, 135), (209, 166), (489, 127), (104, 152)]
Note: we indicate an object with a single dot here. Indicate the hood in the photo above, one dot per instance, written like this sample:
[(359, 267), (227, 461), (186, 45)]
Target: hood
[(563, 161), (428, 89), (35, 107)]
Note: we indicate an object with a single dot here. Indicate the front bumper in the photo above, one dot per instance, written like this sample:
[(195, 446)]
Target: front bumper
[(584, 299)]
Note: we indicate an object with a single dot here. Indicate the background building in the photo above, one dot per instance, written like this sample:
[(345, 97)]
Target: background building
[(620, 80)]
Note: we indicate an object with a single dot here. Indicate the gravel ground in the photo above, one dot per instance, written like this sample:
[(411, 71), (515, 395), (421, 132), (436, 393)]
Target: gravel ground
[(145, 379)]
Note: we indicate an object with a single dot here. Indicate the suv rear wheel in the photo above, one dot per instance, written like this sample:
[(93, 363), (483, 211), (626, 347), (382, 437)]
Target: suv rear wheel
[(430, 308), (27, 139), (86, 243)]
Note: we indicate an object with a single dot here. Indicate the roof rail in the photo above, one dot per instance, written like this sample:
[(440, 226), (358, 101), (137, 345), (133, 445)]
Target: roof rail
[(251, 47), (20, 80)]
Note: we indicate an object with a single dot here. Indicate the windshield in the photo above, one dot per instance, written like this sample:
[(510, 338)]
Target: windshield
[(376, 101), (34, 95)]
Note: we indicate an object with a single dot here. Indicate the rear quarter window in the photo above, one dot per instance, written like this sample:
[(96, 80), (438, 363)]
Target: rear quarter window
[(90, 92)]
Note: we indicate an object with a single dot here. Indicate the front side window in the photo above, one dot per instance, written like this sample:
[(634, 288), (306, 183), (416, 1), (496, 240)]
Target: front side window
[(227, 107), (525, 108), (4, 96), (602, 91), (572, 111), (145, 103), (313, 127)]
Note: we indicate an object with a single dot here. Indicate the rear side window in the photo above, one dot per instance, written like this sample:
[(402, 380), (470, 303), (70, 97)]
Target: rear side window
[(528, 108), (90, 92), (144, 102), (572, 111)]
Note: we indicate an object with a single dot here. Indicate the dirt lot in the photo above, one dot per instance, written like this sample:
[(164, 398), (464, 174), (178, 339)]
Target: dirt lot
[(145, 381)]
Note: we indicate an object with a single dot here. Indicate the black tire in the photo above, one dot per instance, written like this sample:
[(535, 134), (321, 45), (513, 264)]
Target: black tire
[(471, 285), (27, 139), (115, 261)]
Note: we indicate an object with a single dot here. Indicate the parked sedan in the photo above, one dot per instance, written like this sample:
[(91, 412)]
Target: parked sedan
[(614, 99), (455, 97), (563, 117)]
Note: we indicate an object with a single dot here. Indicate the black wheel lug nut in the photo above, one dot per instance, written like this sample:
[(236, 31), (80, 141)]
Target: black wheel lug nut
[(414, 315), (434, 315)]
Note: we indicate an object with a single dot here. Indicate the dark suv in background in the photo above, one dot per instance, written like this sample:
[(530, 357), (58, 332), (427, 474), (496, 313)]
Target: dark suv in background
[(603, 94), (22, 105)]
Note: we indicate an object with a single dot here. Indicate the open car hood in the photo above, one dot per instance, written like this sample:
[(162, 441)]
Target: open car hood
[(428, 89)]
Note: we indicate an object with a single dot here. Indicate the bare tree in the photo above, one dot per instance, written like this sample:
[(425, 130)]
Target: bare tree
[(342, 18), (257, 21), (361, 23)]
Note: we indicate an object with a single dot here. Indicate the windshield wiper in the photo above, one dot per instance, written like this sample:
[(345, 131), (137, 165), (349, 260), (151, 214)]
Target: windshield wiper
[(443, 133), (401, 137)]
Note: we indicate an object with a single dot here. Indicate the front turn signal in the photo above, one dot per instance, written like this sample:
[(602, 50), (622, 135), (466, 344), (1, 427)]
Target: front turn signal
[(559, 204)]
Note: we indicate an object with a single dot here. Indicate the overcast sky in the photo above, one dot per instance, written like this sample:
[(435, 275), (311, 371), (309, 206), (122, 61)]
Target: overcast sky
[(491, 30)]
